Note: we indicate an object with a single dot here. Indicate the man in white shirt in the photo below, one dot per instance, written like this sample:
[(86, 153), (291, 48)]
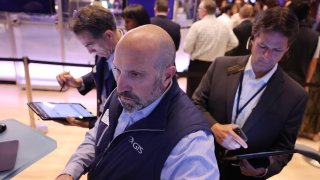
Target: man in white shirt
[(206, 40), (225, 17)]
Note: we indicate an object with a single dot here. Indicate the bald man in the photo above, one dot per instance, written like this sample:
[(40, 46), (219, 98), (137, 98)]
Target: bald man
[(149, 128)]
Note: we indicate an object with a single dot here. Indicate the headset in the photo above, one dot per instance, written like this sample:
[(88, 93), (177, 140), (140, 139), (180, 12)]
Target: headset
[(249, 45)]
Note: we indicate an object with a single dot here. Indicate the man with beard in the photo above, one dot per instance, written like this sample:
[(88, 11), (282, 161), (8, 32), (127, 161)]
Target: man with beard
[(149, 129)]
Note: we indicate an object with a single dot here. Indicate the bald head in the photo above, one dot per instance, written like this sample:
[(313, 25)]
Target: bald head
[(150, 41), (143, 66)]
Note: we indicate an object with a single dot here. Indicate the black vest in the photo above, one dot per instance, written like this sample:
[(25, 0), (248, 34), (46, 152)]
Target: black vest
[(141, 151)]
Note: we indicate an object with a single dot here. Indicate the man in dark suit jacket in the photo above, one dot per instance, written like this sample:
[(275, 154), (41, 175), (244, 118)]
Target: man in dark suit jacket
[(255, 94), (96, 29), (301, 59), (243, 32), (161, 9), (100, 78)]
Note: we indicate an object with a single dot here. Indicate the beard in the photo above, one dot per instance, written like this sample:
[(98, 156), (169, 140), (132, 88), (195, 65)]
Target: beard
[(137, 103)]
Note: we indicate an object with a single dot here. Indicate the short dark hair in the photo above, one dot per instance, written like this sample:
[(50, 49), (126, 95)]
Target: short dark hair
[(94, 19), (162, 5), (277, 19), (271, 3), (300, 8), (226, 8), (137, 13)]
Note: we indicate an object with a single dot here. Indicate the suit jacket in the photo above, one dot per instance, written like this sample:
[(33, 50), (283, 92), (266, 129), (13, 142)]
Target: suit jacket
[(98, 78), (243, 32), (172, 28), (273, 123)]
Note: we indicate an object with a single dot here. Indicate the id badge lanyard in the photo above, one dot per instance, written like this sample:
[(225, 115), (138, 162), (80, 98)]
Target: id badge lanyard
[(240, 109)]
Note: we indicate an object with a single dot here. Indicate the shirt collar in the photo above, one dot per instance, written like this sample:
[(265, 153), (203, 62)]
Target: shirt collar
[(248, 71), (208, 16), (110, 65), (162, 14)]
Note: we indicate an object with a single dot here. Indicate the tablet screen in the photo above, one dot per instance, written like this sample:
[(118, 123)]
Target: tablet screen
[(54, 111)]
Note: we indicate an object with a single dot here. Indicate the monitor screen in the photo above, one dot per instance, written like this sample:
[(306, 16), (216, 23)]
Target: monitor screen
[(28, 6)]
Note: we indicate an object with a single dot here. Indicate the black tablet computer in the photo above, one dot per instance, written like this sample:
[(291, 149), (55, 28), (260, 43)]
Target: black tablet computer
[(258, 155), (59, 111)]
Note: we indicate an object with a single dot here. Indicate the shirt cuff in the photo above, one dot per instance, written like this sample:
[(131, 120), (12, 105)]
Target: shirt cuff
[(73, 171), (65, 174), (81, 88)]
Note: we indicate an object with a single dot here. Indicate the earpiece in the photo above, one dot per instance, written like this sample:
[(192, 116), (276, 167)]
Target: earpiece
[(248, 47)]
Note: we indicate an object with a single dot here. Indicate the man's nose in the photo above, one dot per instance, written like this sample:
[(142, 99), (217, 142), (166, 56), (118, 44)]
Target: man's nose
[(122, 84), (267, 53)]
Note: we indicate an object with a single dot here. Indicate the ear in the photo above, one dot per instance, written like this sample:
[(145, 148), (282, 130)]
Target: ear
[(170, 71), (286, 51), (108, 34)]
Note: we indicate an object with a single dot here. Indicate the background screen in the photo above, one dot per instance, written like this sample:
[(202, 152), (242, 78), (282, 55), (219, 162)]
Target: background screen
[(28, 6)]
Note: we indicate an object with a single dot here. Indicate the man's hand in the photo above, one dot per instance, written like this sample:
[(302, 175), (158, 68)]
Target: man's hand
[(226, 137), (64, 177), (248, 170), (66, 80), (73, 122)]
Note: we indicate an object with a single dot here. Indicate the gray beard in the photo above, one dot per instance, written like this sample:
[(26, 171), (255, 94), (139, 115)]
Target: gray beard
[(156, 92)]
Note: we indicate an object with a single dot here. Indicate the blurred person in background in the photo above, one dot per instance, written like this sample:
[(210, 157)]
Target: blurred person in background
[(301, 59), (267, 4), (135, 15), (206, 40), (161, 10), (243, 31), (235, 18), (225, 16), (301, 63)]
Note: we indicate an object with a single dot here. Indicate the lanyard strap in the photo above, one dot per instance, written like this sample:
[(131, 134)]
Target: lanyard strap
[(239, 110)]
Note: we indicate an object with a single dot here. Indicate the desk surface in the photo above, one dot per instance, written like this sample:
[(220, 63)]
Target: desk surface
[(32, 145)]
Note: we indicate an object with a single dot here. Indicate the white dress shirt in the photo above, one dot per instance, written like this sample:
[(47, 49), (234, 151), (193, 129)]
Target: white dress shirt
[(250, 85), (208, 39), (226, 19)]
